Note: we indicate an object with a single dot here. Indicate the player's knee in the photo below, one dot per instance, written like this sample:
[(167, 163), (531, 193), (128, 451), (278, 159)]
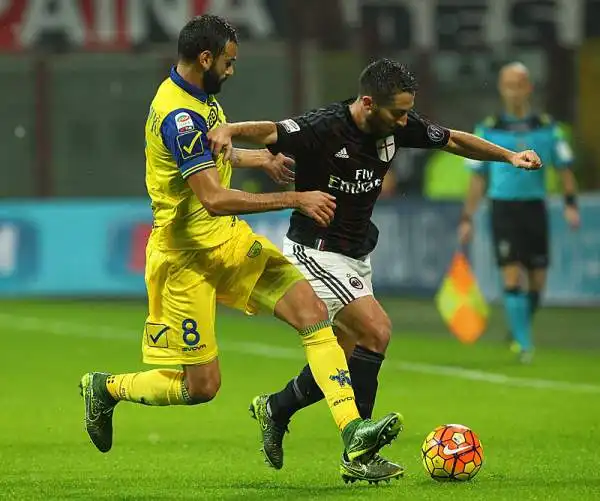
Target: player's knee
[(203, 390), (376, 337), (300, 307), (511, 275), (307, 312), (311, 312)]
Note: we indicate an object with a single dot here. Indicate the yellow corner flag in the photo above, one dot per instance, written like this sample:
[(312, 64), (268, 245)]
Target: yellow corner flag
[(460, 301)]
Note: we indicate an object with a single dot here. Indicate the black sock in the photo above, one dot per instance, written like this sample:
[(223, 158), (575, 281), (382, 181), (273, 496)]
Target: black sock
[(303, 390), (364, 368), (534, 302), (300, 392)]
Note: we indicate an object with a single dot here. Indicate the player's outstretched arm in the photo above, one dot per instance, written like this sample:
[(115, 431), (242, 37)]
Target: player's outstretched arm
[(470, 146), (476, 192), (220, 201), (220, 138), (276, 166)]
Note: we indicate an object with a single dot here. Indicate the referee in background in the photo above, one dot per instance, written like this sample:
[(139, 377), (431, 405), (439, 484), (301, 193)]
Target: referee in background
[(519, 216)]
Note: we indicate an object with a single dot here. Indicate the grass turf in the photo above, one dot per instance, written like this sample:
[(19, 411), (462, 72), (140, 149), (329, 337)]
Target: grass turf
[(539, 434)]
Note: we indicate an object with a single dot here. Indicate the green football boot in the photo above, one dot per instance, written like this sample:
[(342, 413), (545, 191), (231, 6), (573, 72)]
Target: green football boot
[(99, 407), (373, 471), (272, 432), (364, 437)]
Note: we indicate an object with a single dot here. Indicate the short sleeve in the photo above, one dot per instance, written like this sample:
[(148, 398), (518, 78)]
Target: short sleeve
[(294, 136), (478, 166), (184, 135), (562, 154), (422, 133)]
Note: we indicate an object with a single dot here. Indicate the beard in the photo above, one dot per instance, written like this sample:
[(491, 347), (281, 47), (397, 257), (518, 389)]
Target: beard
[(378, 127), (212, 81)]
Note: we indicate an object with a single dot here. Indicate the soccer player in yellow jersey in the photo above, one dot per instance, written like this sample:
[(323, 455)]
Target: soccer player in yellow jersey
[(199, 253)]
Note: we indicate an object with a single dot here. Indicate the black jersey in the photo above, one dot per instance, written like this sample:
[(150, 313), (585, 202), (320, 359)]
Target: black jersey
[(333, 155)]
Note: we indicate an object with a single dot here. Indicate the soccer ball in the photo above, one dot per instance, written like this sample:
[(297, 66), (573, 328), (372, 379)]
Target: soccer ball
[(452, 452)]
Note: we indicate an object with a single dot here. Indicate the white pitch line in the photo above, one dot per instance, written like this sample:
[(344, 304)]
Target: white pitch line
[(80, 329)]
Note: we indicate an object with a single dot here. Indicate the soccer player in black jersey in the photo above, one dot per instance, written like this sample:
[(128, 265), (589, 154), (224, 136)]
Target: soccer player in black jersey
[(346, 149)]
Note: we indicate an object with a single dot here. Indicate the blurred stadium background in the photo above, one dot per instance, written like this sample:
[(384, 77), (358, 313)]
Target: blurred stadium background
[(76, 79)]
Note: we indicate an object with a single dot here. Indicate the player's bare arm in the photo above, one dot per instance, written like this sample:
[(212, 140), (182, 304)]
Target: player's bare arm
[(220, 201), (278, 167), (262, 133), (470, 146), (477, 188), (569, 186)]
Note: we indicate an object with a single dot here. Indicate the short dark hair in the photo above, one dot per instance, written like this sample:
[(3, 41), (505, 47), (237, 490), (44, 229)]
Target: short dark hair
[(385, 77), (206, 32)]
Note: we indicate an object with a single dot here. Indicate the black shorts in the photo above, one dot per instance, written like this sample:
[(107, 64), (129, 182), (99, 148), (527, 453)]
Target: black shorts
[(520, 232)]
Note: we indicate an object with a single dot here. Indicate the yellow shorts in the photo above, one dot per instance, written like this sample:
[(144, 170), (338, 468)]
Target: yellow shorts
[(248, 272)]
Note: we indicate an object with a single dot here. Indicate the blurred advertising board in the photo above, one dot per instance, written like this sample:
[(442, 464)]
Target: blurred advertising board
[(73, 248), (97, 248), (397, 24)]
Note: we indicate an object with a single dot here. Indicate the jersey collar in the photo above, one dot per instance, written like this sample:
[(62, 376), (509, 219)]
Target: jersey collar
[(349, 118), (513, 119), (197, 92)]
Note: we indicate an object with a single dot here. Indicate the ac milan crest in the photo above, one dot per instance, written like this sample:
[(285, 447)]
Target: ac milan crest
[(386, 148)]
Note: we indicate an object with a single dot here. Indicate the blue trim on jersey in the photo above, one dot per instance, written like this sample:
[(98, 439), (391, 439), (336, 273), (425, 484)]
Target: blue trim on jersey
[(507, 117), (178, 80), (537, 132), (187, 141)]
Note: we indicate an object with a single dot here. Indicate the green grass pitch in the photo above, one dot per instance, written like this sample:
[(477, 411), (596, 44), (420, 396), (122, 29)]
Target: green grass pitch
[(539, 424)]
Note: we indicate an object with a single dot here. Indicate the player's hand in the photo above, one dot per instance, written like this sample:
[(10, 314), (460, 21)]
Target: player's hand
[(278, 167), (528, 160), (572, 217), (219, 140), (318, 206), (465, 232)]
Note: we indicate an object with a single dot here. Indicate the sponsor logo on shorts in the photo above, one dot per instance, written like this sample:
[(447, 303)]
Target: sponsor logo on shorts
[(255, 249), (187, 349), (342, 377), (356, 283)]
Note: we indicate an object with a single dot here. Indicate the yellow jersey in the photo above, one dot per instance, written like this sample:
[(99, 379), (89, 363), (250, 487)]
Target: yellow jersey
[(180, 116)]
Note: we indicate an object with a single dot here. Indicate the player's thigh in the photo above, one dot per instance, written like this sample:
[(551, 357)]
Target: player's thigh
[(256, 274), (365, 320), (300, 307), (336, 280), (181, 318)]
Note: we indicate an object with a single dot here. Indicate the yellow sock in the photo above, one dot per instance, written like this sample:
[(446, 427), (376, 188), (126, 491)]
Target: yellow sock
[(330, 370), (155, 387)]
